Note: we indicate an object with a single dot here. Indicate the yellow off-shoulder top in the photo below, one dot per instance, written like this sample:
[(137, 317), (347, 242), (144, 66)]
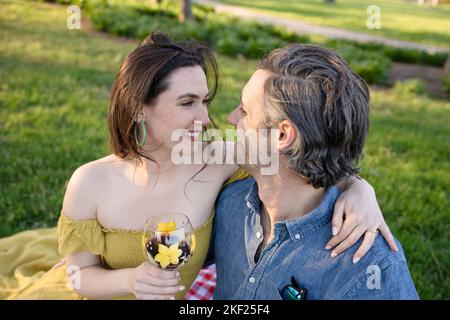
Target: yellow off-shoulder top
[(119, 248), (27, 276)]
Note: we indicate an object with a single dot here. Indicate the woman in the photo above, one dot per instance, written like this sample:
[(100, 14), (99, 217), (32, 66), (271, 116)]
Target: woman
[(160, 87)]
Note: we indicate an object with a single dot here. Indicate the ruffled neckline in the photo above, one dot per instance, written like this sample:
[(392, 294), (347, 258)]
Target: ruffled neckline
[(130, 231)]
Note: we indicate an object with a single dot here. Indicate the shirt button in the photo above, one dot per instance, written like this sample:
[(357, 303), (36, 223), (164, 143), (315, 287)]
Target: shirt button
[(258, 234), (252, 280), (297, 236)]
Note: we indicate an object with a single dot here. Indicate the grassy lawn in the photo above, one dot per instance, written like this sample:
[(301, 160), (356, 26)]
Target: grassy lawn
[(400, 19), (53, 103)]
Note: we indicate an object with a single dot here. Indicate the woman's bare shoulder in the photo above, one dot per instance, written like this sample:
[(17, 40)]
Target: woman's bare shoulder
[(85, 188)]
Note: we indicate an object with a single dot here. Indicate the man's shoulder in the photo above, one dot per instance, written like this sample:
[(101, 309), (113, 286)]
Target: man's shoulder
[(381, 251), (379, 254), (237, 189), (383, 263), (388, 273), (233, 197)]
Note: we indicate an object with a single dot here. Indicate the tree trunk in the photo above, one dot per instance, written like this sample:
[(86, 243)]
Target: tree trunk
[(186, 11), (158, 2)]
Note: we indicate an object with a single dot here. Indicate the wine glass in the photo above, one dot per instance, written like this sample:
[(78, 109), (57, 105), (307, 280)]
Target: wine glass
[(168, 240)]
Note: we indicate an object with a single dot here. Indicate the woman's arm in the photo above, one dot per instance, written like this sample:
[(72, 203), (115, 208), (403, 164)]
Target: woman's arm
[(90, 280), (145, 282), (357, 214)]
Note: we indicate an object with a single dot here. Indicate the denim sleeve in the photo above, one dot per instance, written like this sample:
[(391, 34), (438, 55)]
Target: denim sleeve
[(390, 280)]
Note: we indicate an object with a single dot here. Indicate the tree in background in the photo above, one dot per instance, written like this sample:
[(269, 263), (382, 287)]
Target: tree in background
[(186, 11)]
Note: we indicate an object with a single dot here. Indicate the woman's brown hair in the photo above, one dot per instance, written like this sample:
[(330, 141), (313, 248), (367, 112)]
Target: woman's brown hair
[(142, 77)]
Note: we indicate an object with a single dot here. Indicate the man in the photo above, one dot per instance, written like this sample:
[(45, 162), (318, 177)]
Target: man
[(272, 230)]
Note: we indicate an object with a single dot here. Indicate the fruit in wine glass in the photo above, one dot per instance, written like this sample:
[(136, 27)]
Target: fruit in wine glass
[(169, 244)]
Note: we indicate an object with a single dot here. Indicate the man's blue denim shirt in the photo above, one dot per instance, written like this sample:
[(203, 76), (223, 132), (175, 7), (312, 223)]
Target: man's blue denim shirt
[(297, 250)]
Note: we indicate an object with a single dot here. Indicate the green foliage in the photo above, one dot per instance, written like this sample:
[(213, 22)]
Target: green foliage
[(228, 35), (446, 82), (231, 36), (371, 66), (415, 56), (53, 106), (411, 86), (406, 55), (79, 3)]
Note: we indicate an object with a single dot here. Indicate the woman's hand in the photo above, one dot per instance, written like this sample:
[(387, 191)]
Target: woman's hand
[(363, 217), (151, 283)]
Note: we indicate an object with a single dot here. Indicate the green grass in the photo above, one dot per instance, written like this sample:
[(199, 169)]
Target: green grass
[(53, 104), (400, 19)]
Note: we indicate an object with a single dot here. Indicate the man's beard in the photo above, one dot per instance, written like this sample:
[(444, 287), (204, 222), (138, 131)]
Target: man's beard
[(257, 150)]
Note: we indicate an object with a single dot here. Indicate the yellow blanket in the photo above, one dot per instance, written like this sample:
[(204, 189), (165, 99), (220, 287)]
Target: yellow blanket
[(26, 259)]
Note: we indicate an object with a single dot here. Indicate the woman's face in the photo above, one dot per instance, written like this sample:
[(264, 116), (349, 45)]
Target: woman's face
[(178, 107)]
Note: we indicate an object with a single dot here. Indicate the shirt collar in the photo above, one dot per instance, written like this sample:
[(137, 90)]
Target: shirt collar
[(299, 228), (252, 198), (322, 214)]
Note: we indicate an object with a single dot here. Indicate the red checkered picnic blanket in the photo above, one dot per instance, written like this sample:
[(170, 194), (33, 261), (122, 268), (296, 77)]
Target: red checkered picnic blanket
[(203, 286)]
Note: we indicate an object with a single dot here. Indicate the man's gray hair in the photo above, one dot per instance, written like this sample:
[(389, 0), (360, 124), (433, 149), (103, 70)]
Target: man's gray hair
[(327, 102)]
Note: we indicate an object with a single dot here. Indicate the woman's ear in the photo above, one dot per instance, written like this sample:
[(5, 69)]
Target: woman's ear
[(140, 117), (287, 134)]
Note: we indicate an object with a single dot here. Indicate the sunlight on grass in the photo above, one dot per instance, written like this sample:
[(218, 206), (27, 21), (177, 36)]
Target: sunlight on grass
[(399, 19), (53, 104)]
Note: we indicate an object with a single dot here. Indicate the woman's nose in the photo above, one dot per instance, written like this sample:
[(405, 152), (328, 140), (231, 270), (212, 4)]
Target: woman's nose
[(233, 118), (204, 118)]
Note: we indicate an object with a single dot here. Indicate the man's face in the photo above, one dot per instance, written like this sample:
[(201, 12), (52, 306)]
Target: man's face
[(250, 112), (248, 118)]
